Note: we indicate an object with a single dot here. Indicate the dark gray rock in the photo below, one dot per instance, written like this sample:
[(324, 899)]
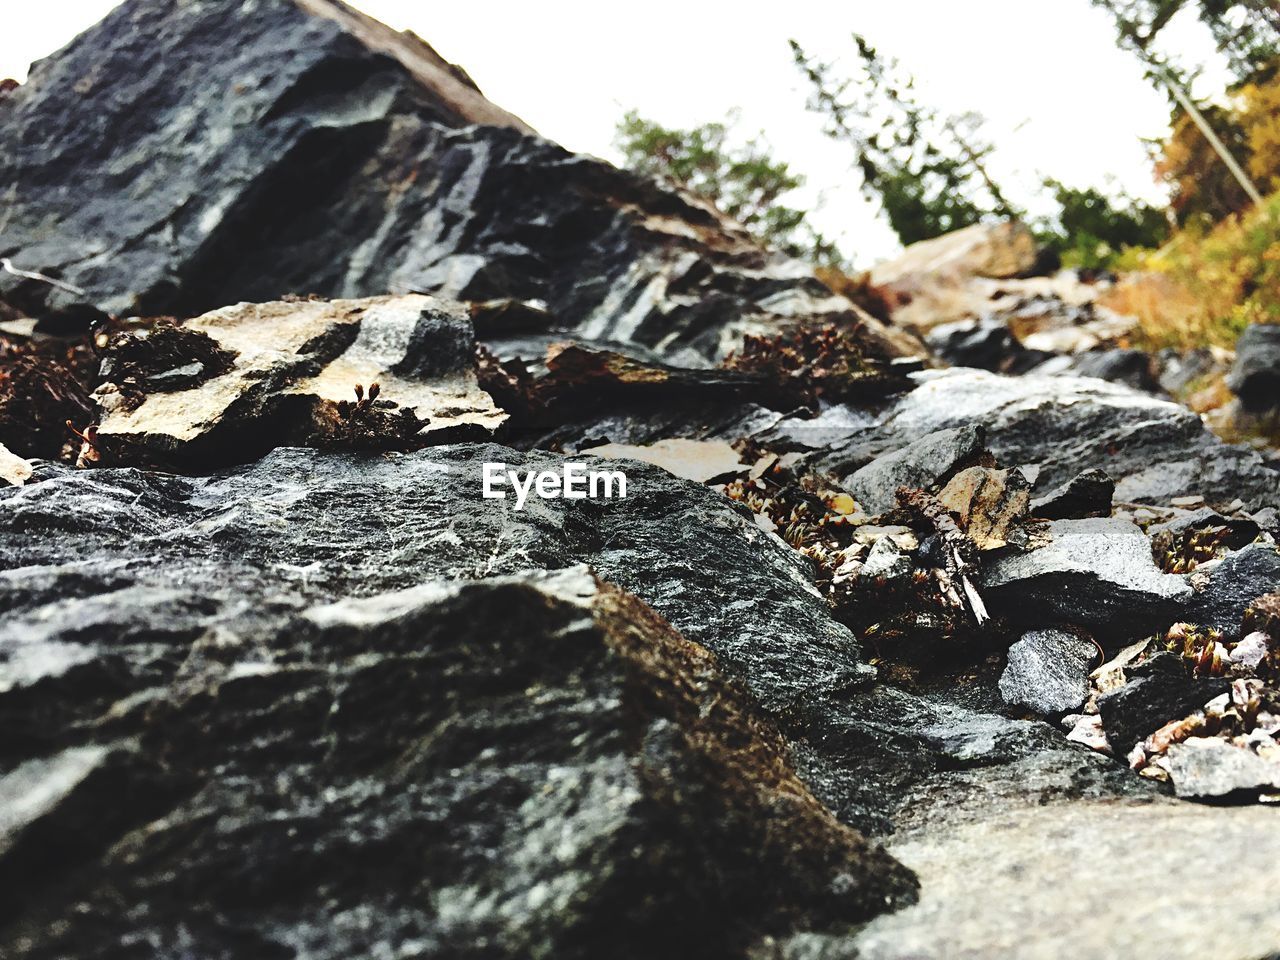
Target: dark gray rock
[(1154, 449), (177, 158), (1158, 691), (1255, 375), (1087, 494), (1206, 768), (1096, 573), (1180, 371), (1233, 585), (375, 772), (1133, 368), (926, 463), (985, 344), (1047, 671)]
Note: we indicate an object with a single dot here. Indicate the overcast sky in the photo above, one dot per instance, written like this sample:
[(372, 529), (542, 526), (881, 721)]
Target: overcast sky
[(1061, 99)]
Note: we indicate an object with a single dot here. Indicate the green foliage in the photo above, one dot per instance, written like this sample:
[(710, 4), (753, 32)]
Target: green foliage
[(741, 179), (928, 171), (1091, 229)]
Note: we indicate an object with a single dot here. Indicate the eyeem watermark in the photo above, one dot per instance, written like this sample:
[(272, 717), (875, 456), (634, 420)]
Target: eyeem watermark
[(573, 481)]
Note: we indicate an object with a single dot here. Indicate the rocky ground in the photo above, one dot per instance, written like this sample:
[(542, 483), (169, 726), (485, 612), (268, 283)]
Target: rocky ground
[(949, 633)]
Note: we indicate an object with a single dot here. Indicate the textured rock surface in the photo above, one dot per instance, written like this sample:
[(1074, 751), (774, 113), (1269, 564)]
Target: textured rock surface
[(1233, 585), (1085, 495), (1047, 671), (303, 804), (1154, 449), (1096, 573), (264, 149), (925, 463), (1209, 768), (231, 384), (1158, 691)]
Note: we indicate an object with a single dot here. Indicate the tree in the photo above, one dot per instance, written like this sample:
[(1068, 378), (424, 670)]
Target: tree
[(1091, 228), (741, 179), (927, 170)]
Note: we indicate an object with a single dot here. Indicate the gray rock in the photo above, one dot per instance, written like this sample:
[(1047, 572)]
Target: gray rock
[(1158, 691), (886, 561), (1047, 671), (1087, 494), (1255, 375), (287, 147), (1204, 768), (1154, 449), (547, 747), (1235, 582), (985, 344), (1097, 573), (925, 463), (1133, 368)]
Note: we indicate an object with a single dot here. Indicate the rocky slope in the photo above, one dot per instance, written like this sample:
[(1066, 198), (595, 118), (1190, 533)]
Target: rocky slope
[(871, 659)]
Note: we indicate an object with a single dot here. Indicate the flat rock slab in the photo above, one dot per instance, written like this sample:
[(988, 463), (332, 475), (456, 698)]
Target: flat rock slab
[(1097, 573), (923, 464), (1047, 671), (1100, 879), (1209, 768)]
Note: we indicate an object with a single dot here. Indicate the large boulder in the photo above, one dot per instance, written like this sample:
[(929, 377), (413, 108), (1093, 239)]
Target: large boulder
[(375, 772), (1255, 376), (177, 158)]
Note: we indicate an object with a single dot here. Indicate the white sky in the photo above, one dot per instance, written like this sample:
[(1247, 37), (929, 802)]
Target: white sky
[(1060, 98)]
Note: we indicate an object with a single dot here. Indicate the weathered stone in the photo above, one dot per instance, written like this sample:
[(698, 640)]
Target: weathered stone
[(1096, 573), (983, 250), (231, 384), (697, 460), (1204, 768), (925, 463), (990, 504), (300, 800), (886, 561), (1133, 368), (14, 470), (986, 344), (1154, 449), (1087, 494), (1255, 376), (1233, 585), (1158, 691), (300, 147), (1047, 671)]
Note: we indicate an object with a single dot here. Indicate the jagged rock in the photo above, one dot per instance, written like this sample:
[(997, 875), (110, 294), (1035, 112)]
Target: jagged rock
[(990, 504), (1097, 573), (1233, 585), (886, 561), (987, 344), (697, 460), (1255, 376), (1087, 494), (1159, 690), (925, 464), (14, 470), (302, 801), (1133, 368), (231, 384), (1154, 449), (1209, 768), (300, 147), (996, 250), (1047, 671)]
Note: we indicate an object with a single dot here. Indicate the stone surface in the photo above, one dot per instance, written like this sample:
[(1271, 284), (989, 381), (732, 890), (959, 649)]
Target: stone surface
[(1087, 494), (14, 470), (229, 385), (298, 147), (925, 463), (983, 250), (1133, 368), (1097, 573), (1233, 585), (1255, 375), (1154, 449), (990, 504), (1047, 671), (698, 460), (1208, 768), (1158, 691), (303, 804)]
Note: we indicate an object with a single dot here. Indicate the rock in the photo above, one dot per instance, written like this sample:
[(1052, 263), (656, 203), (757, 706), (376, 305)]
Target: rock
[(1154, 449), (1087, 730), (1133, 368), (304, 801), (1158, 691), (1179, 372), (998, 250), (1087, 494), (358, 163), (14, 470), (886, 561), (1058, 881), (231, 384), (1255, 376), (1232, 587), (925, 464), (990, 504), (1248, 655), (697, 460), (1047, 671), (1096, 573), (986, 344), (1204, 768)]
